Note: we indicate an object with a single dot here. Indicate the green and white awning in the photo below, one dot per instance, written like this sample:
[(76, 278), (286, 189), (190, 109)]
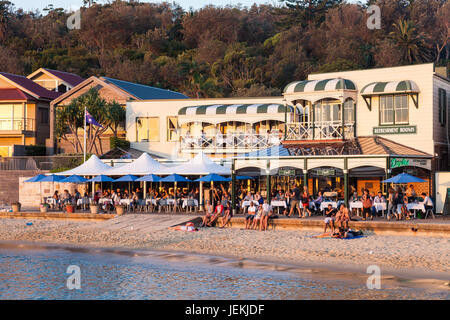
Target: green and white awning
[(375, 88), (319, 85), (220, 109), (248, 113)]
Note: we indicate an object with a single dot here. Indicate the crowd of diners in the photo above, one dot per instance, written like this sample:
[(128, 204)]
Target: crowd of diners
[(217, 203)]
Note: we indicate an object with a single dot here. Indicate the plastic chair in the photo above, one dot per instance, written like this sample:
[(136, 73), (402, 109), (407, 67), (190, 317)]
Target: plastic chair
[(430, 211)]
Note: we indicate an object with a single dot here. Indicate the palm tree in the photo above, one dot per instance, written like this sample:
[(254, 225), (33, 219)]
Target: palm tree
[(410, 42)]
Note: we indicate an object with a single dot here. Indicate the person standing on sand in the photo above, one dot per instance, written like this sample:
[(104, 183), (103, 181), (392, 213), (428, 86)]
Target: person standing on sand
[(266, 213), (295, 202), (367, 205)]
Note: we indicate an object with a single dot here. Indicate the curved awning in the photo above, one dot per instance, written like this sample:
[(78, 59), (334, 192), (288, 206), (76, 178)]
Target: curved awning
[(376, 88), (336, 84), (235, 109)]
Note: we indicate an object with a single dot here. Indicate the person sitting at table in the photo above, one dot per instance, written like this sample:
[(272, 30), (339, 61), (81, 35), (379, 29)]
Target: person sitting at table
[(66, 197), (410, 193), (279, 196), (218, 212), (379, 198), (318, 201), (427, 202), (250, 215), (330, 213), (209, 209), (259, 198)]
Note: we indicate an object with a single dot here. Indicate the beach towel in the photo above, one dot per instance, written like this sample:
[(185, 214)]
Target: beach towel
[(328, 236)]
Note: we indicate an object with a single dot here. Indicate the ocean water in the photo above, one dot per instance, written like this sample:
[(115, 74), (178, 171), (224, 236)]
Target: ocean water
[(29, 271)]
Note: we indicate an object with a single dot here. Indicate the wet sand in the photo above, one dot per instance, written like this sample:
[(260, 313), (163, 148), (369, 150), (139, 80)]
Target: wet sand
[(399, 254)]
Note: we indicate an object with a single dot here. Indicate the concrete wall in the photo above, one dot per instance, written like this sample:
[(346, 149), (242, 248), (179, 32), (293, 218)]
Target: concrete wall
[(9, 184), (30, 195)]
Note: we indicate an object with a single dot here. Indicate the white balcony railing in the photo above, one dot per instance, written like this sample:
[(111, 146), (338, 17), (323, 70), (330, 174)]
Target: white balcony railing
[(16, 124), (240, 141), (326, 130)]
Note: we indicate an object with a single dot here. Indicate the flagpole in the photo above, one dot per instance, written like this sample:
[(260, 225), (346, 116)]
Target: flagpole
[(84, 149)]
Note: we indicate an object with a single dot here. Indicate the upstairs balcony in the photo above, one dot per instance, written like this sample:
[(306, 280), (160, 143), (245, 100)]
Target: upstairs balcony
[(16, 125), (235, 142), (323, 130)]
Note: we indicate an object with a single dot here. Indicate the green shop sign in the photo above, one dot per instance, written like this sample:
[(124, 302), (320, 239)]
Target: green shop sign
[(326, 172), (287, 172), (404, 162), (395, 130)]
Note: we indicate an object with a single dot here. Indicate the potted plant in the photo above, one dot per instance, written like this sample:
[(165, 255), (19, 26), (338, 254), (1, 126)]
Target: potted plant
[(94, 208), (120, 209), (16, 206), (44, 207), (70, 208)]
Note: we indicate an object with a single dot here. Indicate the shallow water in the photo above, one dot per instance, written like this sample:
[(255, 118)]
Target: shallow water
[(29, 271)]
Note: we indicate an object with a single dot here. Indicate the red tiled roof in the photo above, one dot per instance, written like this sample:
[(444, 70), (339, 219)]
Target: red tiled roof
[(14, 94), (68, 77), (31, 86)]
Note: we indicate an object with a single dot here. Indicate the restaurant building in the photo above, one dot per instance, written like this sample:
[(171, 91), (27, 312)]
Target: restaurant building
[(347, 130)]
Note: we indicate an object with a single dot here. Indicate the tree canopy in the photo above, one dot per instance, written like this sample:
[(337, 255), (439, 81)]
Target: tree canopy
[(223, 51)]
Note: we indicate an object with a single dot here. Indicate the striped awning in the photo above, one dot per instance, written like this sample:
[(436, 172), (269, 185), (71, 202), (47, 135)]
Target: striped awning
[(320, 85), (405, 86), (235, 109)]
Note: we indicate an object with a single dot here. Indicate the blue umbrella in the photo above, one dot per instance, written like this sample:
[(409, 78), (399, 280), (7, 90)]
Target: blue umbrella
[(403, 178), (213, 177), (101, 178), (52, 178), (150, 178), (127, 178), (174, 178), (244, 178), (37, 178), (74, 179)]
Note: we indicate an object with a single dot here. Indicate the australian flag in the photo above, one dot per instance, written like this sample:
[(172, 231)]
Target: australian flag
[(90, 120)]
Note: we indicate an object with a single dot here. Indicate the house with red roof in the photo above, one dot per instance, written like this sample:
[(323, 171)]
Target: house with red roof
[(24, 113), (55, 80)]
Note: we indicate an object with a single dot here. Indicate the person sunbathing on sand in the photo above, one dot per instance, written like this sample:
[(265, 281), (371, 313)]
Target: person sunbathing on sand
[(188, 227)]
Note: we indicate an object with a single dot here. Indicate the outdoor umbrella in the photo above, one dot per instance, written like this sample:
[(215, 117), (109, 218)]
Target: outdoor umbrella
[(175, 178), (74, 179), (403, 178), (148, 178), (127, 178), (52, 178), (212, 177), (99, 178), (244, 178), (37, 178)]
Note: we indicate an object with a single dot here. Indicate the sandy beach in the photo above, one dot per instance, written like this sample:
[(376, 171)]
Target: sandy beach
[(296, 247)]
